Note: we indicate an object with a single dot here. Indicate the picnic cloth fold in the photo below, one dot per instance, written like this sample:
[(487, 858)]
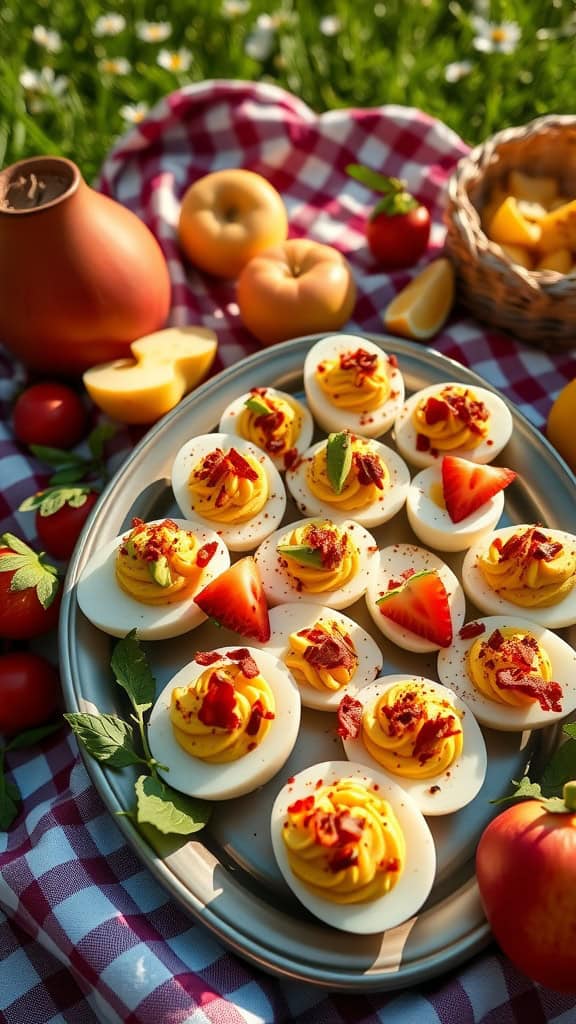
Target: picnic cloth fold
[(86, 932)]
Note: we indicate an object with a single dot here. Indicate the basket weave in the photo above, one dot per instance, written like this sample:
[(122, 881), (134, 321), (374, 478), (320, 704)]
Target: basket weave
[(537, 306)]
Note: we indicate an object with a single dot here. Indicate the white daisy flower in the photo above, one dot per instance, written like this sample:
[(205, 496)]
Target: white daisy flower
[(109, 24), (134, 112), (49, 39), (235, 8), (44, 82), (114, 66), (153, 31), (457, 70), (175, 60), (330, 25), (261, 41), (495, 38)]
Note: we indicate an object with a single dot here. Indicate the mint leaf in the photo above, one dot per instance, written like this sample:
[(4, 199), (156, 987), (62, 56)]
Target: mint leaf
[(169, 811), (132, 672), (338, 459), (98, 438), (57, 457), (570, 730), (107, 738), (302, 553), (9, 803), (30, 737)]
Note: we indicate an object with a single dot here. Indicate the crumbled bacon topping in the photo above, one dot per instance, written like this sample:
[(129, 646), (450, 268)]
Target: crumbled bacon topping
[(329, 542), (302, 805), (349, 718), (469, 411), (160, 539), (364, 363), (368, 469), (248, 666), (207, 657), (206, 553), (548, 694), (217, 464), (472, 629), (531, 543), (290, 458), (432, 732), (257, 715), (404, 714), (218, 704), (329, 651), (404, 575)]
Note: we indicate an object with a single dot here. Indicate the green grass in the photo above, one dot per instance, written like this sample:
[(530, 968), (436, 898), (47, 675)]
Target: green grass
[(392, 51)]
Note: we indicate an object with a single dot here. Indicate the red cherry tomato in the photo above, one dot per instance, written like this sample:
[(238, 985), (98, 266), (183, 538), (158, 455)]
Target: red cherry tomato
[(51, 414), (399, 240), (59, 531), (22, 616), (29, 691)]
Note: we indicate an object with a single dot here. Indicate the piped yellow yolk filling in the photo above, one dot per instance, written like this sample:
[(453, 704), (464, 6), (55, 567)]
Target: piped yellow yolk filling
[(338, 557), (345, 843), (454, 418), (227, 487), (367, 480), (356, 380), (224, 714), (498, 665), (412, 731), (530, 569), (323, 656), (158, 563), (277, 432)]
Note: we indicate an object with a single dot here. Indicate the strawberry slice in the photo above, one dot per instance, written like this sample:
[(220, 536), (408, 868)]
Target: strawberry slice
[(236, 599), (420, 604), (467, 486)]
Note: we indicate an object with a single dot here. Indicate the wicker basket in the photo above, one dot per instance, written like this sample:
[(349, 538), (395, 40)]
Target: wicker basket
[(536, 306)]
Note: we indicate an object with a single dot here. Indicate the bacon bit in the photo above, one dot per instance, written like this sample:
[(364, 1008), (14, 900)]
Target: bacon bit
[(472, 629), (329, 651), (290, 458), (495, 640), (365, 363), (434, 730), (257, 714), (369, 469), (532, 543), (207, 657), (241, 466), (217, 708), (392, 864), (217, 464), (404, 575), (422, 443), (160, 539), (343, 859), (435, 411), (403, 716), (302, 805), (248, 666), (392, 361), (336, 829), (433, 790), (548, 694), (290, 781), (349, 718), (206, 553), (331, 546), (318, 784)]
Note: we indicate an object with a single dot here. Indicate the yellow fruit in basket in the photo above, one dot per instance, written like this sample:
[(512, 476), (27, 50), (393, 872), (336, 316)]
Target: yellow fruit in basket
[(422, 307), (561, 425), (559, 260), (558, 228), (509, 227), (519, 254), (533, 188)]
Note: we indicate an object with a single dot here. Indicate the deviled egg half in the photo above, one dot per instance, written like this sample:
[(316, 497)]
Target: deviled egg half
[(351, 383), (349, 476), (512, 672), (420, 734), (468, 421), (353, 847), (231, 485), (274, 420), (524, 570), (318, 561), (225, 723), (327, 652), (146, 578)]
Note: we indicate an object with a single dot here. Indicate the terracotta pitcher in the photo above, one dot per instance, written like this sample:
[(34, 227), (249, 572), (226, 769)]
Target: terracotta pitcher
[(80, 275)]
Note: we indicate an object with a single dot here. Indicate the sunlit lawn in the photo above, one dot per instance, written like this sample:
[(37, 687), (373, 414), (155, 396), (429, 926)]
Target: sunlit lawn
[(73, 76)]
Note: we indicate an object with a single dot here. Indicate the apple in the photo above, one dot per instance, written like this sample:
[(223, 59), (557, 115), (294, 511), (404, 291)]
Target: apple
[(299, 287), (229, 216)]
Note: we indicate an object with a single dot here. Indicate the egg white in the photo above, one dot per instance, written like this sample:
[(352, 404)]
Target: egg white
[(464, 778), (433, 525), (453, 673), (387, 504), (206, 781), (394, 560), (231, 415), (236, 536), (276, 582), (500, 431), (412, 888), (371, 423), (290, 618), (489, 602), (115, 612)]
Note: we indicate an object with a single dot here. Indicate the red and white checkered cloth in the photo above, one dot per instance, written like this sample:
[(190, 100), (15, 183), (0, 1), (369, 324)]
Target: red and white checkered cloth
[(86, 932)]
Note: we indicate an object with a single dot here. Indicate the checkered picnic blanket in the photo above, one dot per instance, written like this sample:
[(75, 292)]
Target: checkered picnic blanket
[(86, 933)]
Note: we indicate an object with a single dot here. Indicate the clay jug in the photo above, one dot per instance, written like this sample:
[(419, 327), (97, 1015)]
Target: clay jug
[(81, 277)]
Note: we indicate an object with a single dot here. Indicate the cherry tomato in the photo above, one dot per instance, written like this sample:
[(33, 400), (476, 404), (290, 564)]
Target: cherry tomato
[(29, 691), (59, 531), (51, 414), (22, 614), (399, 240)]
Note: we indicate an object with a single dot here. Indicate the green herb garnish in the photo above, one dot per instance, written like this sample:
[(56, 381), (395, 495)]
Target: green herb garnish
[(338, 459)]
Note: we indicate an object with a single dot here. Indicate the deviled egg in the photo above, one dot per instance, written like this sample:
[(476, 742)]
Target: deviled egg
[(231, 485), (346, 475), (415, 599), (351, 383), (424, 737), (275, 421), (525, 569), (353, 847), (471, 422), (327, 652), (146, 578), (318, 561), (513, 673), (225, 723)]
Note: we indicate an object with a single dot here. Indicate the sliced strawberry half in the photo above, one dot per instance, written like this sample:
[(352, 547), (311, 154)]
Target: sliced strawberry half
[(467, 486), (236, 599), (420, 604)]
